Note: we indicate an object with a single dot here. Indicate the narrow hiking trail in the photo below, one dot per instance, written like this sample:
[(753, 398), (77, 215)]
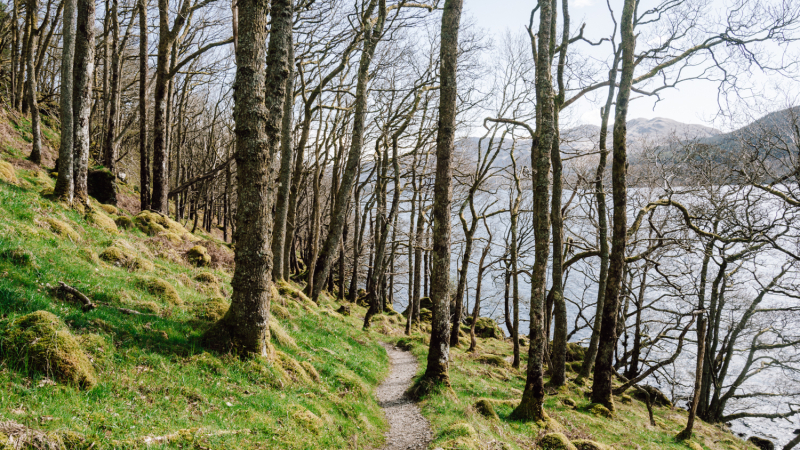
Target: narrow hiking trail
[(407, 428)]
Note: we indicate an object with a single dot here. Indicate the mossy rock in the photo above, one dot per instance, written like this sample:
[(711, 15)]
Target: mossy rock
[(206, 278), (152, 223), (344, 309), (556, 441), (568, 402), (62, 229), (694, 445), (575, 352), (124, 223), (75, 441), (19, 257), (488, 328), (42, 342), (287, 290), (198, 256), (425, 315), (7, 173), (599, 410), (102, 221), (586, 444), (460, 429), (308, 419), (162, 289), (404, 344), (121, 254), (761, 443), (486, 409), (110, 209), (493, 360), (213, 309), (279, 311), (626, 399)]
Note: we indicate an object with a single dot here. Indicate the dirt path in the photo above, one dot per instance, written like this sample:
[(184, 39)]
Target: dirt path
[(407, 428)]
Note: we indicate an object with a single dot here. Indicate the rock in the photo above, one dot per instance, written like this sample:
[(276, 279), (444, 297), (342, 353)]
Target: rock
[(626, 399), (42, 342), (426, 302), (569, 402), (485, 408), (657, 397), (102, 221), (62, 229), (344, 309), (7, 173), (488, 328), (763, 444), (198, 256), (102, 185), (213, 309), (152, 223), (493, 360), (575, 352), (425, 315), (110, 209), (404, 344), (124, 223), (206, 278), (600, 410), (586, 444), (121, 254), (556, 441), (161, 289)]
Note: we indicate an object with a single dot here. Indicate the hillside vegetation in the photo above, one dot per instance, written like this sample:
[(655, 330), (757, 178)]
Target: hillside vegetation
[(130, 372)]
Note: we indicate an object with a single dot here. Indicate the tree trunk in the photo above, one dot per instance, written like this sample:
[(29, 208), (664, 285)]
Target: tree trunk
[(82, 97), (476, 311), (33, 86), (698, 379), (280, 269), (144, 154), (65, 188), (159, 200), (601, 388), (436, 373), (531, 406), (258, 112), (109, 146)]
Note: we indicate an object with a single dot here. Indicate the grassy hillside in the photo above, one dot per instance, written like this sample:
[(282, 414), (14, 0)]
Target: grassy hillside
[(134, 374), (155, 386)]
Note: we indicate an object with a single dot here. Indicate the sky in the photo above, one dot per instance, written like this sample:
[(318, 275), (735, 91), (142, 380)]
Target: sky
[(690, 102)]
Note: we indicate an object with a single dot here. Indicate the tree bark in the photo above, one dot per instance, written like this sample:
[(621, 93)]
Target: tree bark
[(65, 188), (436, 373), (144, 154), (258, 112), (280, 269), (82, 97), (33, 86), (532, 405), (698, 379), (110, 146), (601, 388)]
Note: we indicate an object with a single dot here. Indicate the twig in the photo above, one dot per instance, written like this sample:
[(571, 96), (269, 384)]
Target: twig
[(87, 303)]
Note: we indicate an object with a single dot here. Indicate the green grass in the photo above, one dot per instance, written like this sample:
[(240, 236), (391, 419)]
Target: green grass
[(473, 380), (155, 379)]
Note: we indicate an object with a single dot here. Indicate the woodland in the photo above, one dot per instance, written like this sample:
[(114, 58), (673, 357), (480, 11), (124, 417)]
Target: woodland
[(427, 183)]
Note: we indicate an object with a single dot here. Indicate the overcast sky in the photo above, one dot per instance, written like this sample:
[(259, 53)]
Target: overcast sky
[(690, 102)]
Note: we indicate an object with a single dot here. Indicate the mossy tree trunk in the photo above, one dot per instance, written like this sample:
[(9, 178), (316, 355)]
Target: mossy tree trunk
[(531, 406), (601, 388), (258, 112), (82, 97), (109, 145), (65, 188), (436, 373), (144, 153), (33, 85)]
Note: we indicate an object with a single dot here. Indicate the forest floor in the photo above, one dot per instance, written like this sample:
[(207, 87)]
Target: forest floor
[(145, 381)]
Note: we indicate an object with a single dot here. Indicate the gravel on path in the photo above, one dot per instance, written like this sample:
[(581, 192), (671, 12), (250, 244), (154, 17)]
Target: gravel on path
[(407, 428)]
